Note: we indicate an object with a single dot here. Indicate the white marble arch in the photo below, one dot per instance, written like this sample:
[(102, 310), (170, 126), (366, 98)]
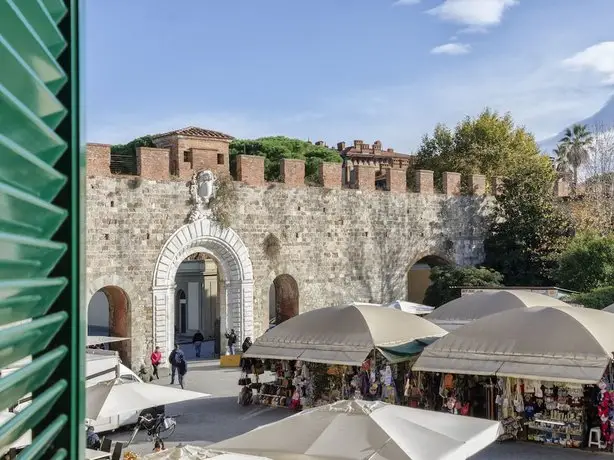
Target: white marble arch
[(237, 294)]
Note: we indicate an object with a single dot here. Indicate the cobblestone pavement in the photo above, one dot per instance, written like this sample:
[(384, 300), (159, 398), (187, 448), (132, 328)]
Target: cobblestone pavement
[(210, 420)]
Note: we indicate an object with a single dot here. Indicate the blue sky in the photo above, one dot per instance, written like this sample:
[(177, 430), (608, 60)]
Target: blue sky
[(342, 69)]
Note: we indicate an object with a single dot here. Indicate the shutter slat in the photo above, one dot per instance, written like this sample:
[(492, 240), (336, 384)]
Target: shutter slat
[(24, 128), (34, 94), (28, 298), (41, 344), (56, 9), (21, 256), (22, 170), (24, 39), (17, 426), (28, 215), (37, 449), (29, 378), (27, 339), (36, 15)]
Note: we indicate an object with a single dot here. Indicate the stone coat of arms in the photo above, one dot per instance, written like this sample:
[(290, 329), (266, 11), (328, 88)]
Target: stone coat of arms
[(202, 190)]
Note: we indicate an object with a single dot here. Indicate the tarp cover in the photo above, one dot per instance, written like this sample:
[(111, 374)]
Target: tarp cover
[(468, 308), (361, 430), (342, 335), (563, 344)]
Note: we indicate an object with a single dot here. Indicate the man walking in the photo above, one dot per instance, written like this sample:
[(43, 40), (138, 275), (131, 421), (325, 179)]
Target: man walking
[(197, 341), (156, 359), (174, 359)]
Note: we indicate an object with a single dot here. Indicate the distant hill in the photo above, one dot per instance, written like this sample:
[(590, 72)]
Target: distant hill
[(605, 116)]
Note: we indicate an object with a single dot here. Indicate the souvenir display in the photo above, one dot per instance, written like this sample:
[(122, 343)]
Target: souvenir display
[(556, 414)]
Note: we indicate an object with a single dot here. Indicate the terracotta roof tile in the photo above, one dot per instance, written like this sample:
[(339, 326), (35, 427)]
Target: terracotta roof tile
[(193, 131)]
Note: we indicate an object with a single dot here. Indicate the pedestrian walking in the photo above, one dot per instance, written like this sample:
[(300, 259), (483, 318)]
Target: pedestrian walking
[(182, 366), (197, 341), (156, 359), (174, 358), (232, 341)]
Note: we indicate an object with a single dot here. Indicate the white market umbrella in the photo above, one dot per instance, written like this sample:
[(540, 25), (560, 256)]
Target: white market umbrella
[(469, 308), (189, 452), (346, 335), (559, 344), (411, 307), (102, 340), (609, 308), (108, 399), (367, 430)]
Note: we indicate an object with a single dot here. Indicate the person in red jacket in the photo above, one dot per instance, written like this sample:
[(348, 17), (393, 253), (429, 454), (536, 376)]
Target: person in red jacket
[(156, 359)]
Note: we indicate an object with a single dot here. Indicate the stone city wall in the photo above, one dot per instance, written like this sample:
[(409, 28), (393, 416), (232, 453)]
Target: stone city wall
[(339, 244)]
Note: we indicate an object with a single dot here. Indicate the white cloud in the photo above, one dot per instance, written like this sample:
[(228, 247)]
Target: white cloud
[(452, 48), (405, 2), (473, 13), (598, 58)]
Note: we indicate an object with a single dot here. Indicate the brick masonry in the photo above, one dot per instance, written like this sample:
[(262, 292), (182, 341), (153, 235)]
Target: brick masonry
[(339, 245)]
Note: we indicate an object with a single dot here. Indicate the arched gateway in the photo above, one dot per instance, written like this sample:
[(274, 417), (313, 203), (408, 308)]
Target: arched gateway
[(224, 246)]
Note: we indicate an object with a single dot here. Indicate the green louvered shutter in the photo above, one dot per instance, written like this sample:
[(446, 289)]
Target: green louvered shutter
[(40, 253)]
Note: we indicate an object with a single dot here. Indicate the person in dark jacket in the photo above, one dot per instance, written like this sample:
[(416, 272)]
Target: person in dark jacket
[(197, 341), (174, 359), (232, 341)]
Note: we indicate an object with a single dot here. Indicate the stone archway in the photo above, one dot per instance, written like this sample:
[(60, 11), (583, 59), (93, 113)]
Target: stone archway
[(228, 250), (117, 317), (286, 302), (419, 273)]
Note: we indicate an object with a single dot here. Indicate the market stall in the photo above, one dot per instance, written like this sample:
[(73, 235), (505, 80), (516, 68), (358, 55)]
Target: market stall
[(542, 371), (354, 351), (469, 308)]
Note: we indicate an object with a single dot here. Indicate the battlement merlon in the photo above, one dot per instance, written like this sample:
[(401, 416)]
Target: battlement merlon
[(364, 167)]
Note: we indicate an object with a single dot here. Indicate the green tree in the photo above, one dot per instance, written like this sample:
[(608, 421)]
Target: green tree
[(273, 149), (528, 229), (445, 281), (575, 146), (587, 263), (597, 298), (489, 144)]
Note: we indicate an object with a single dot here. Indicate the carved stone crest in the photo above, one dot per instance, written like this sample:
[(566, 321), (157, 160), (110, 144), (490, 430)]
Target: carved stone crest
[(202, 190)]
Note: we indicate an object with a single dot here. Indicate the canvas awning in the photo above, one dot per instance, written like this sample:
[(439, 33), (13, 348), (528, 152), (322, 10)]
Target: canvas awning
[(466, 309), (410, 307), (561, 344), (364, 430), (344, 335)]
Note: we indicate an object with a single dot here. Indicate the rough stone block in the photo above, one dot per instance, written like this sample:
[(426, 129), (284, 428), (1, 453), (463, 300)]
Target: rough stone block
[(365, 177), (396, 180), (330, 175), (424, 181), (451, 183), (153, 163), (477, 184), (292, 172), (250, 169)]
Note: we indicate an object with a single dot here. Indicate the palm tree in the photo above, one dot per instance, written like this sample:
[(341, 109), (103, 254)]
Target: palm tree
[(576, 144), (561, 162)]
